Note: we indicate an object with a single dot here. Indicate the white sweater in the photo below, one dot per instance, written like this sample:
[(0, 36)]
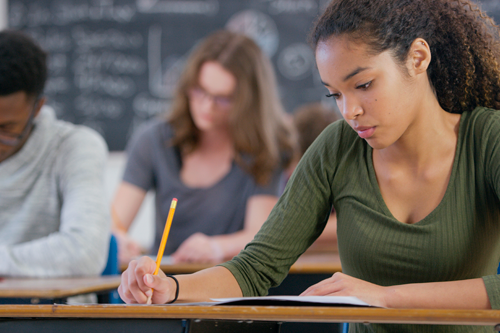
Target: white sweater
[(54, 217)]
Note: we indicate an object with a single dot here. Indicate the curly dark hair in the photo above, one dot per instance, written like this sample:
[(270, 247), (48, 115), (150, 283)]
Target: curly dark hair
[(22, 65), (464, 42)]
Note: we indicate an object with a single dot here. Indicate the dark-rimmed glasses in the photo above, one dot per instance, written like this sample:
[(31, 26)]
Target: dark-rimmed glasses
[(12, 140), (199, 94)]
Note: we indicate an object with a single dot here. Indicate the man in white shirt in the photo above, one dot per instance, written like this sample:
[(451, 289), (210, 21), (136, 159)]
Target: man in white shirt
[(54, 217)]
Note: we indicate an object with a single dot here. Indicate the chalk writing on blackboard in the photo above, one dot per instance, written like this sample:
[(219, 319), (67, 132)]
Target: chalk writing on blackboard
[(114, 64)]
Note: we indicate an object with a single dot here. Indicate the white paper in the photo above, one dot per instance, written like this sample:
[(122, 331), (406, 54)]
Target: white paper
[(327, 300)]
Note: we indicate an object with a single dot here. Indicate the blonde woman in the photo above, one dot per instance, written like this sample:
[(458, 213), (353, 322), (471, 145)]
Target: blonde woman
[(220, 151)]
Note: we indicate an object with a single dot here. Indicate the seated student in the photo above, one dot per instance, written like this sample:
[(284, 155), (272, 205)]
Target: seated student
[(54, 220), (310, 120), (413, 170), (220, 152)]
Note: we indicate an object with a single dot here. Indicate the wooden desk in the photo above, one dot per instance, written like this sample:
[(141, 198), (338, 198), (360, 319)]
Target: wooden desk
[(255, 313), (56, 288), (309, 263), (309, 269), (317, 263)]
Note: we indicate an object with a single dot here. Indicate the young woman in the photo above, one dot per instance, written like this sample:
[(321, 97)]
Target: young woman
[(413, 171), (220, 152)]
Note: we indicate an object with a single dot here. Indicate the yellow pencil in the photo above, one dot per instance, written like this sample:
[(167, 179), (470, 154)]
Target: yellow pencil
[(163, 242)]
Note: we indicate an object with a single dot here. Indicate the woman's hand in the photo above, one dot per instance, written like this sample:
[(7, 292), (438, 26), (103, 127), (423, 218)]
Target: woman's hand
[(128, 248), (199, 248), (138, 281), (344, 285)]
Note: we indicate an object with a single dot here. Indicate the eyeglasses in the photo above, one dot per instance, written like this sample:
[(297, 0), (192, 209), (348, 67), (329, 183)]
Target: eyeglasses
[(12, 140), (199, 94)]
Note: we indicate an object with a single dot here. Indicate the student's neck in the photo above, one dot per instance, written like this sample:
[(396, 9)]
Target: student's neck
[(215, 142), (431, 136)]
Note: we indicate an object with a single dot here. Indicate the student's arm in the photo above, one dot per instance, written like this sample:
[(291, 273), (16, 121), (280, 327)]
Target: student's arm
[(137, 282), (464, 294), (80, 246), (492, 167), (202, 248), (126, 203)]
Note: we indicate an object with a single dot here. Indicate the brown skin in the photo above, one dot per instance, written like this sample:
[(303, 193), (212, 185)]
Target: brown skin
[(15, 110), (138, 283)]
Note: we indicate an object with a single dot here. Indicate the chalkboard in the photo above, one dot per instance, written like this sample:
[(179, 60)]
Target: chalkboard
[(114, 63)]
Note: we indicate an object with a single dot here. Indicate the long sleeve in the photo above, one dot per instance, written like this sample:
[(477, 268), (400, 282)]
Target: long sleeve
[(490, 148), (80, 246)]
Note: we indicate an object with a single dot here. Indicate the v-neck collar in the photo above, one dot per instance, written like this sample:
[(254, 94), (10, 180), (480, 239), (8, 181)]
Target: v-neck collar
[(449, 188)]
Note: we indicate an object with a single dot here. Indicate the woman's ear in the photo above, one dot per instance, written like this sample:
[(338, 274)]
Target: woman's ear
[(419, 57)]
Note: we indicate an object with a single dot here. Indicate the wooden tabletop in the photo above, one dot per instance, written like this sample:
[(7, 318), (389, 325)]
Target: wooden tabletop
[(258, 313), (309, 263), (56, 288), (317, 263)]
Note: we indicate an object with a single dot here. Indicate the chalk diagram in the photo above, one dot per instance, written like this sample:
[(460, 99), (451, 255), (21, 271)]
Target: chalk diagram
[(258, 26), (296, 61), (163, 75)]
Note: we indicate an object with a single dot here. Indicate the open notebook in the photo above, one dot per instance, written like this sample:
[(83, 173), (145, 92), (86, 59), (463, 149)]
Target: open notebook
[(292, 301), (286, 301)]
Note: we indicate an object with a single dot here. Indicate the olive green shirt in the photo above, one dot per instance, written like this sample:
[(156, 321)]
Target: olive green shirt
[(459, 239)]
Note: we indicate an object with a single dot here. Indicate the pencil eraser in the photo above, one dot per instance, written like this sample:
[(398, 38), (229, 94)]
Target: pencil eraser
[(174, 199)]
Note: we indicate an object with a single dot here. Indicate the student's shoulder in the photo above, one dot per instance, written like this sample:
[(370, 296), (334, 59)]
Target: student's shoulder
[(82, 141), (482, 122), (338, 135), (72, 135), (64, 136), (154, 127), (483, 114), (337, 127)]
